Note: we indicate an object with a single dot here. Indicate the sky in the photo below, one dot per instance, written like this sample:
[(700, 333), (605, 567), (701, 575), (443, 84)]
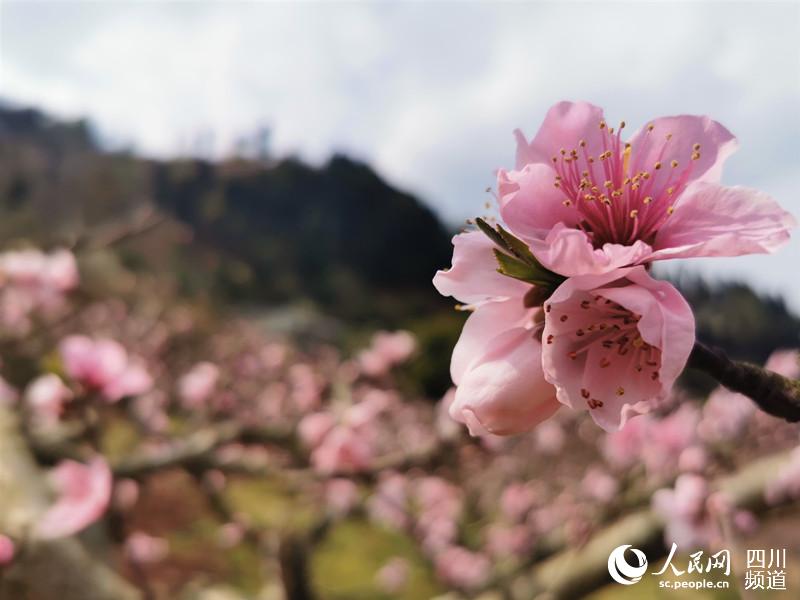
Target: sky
[(426, 92)]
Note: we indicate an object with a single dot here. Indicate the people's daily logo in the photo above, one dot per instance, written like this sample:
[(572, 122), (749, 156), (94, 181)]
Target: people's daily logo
[(621, 570)]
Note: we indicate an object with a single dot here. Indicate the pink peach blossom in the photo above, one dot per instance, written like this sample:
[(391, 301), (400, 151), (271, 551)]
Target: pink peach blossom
[(8, 393), (462, 568), (343, 441), (46, 396), (83, 494), (517, 500), (615, 342), (683, 509), (104, 366), (388, 505), (589, 203), (145, 549), (496, 364), (305, 387), (726, 415), (341, 496), (126, 494), (508, 540), (230, 535), (599, 485), (196, 386), (785, 485), (785, 362), (6, 550), (393, 576)]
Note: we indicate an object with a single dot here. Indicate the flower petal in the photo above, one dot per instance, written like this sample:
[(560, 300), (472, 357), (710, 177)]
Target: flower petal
[(714, 220), (488, 321), (569, 252), (530, 204), (473, 277), (584, 354), (565, 124), (684, 131), (505, 390), (84, 492)]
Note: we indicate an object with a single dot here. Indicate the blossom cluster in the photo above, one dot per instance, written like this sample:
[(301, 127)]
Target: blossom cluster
[(564, 308)]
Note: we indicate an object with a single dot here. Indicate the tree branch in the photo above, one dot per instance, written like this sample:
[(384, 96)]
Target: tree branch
[(773, 393)]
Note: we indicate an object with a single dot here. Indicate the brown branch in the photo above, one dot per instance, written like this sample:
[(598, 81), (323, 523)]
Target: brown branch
[(773, 393)]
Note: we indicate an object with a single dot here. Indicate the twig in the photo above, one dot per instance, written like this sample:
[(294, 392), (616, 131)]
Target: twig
[(773, 393)]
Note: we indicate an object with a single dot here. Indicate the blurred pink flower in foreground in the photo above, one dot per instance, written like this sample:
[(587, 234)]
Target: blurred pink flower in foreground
[(508, 540), (496, 364), (341, 495), (46, 396), (57, 271), (104, 366), (439, 506), (386, 350), (343, 442), (83, 494), (145, 549), (692, 513), (388, 504), (683, 509), (32, 281), (785, 486), (586, 202), (599, 485), (6, 550), (726, 414), (615, 342), (393, 576), (517, 500), (462, 568), (196, 386)]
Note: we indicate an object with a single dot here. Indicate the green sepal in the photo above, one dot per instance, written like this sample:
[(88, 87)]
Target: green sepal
[(516, 268)]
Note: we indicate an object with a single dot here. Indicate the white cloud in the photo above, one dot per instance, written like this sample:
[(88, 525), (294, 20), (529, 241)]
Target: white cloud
[(429, 93)]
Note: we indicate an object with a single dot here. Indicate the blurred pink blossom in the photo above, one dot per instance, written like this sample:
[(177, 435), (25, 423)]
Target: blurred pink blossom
[(508, 540), (599, 485), (305, 387), (104, 366), (126, 494), (83, 494), (344, 441), (196, 386), (550, 437), (726, 415), (388, 505), (8, 394), (517, 500), (785, 486), (386, 350), (6, 550), (785, 362), (46, 396), (392, 577), (693, 459), (230, 535), (462, 568), (683, 510), (145, 549), (341, 495)]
